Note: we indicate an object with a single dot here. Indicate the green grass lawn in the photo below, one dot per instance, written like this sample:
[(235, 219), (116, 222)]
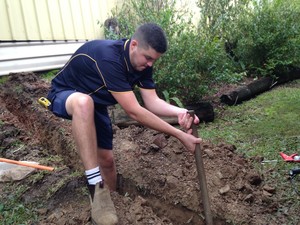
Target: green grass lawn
[(263, 126)]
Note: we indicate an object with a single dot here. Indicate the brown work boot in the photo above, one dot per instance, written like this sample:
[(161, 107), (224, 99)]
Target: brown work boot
[(103, 209)]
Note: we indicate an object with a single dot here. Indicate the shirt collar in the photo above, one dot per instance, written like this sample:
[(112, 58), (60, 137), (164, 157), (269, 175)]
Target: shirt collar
[(126, 56)]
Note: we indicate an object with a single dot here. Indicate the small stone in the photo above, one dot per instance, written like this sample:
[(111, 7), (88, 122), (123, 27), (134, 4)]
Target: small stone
[(230, 154), (240, 161), (231, 148), (172, 181), (42, 211), (224, 189), (160, 141), (178, 173), (205, 145), (220, 175), (178, 150), (269, 189), (266, 193), (154, 148), (145, 151), (141, 200), (249, 198), (240, 186), (55, 216), (266, 199), (209, 153)]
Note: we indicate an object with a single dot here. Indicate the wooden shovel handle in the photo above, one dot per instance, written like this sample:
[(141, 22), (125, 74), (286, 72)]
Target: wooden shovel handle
[(37, 166), (201, 176)]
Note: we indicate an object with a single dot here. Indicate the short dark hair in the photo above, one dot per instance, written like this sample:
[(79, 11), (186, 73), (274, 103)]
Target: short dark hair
[(150, 34)]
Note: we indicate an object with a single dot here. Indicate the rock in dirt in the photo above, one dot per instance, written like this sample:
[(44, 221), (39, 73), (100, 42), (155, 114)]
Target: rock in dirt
[(249, 198), (209, 153), (224, 189), (11, 172), (160, 140), (269, 189)]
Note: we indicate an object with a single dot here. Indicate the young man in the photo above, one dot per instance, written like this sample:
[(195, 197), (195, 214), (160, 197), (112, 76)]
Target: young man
[(103, 73)]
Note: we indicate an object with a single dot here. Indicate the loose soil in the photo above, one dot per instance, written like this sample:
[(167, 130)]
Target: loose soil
[(157, 178)]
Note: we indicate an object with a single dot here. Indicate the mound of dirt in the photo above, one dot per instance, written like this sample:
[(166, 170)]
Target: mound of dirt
[(157, 177)]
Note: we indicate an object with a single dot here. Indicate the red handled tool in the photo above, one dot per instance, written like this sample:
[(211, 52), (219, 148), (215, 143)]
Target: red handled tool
[(36, 166), (290, 158)]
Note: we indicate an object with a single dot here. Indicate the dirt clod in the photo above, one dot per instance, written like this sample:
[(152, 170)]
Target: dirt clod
[(254, 179)]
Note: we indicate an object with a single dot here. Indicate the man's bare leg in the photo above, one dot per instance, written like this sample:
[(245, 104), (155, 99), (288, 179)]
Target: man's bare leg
[(81, 108), (108, 168)]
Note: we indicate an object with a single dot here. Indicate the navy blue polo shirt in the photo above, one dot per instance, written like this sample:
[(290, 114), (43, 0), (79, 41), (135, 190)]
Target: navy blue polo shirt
[(100, 67)]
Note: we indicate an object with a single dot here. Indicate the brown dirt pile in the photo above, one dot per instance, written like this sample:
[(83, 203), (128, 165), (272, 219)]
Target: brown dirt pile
[(157, 183)]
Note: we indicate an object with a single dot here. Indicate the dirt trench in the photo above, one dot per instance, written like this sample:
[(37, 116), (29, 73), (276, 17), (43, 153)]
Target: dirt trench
[(157, 178)]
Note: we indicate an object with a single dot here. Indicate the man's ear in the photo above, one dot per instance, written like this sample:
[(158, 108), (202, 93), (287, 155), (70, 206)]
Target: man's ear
[(134, 43)]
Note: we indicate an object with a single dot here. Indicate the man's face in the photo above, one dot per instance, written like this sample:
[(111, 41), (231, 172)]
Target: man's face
[(141, 58)]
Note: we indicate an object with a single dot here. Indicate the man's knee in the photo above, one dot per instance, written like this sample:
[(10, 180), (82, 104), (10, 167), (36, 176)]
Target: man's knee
[(106, 160), (80, 103), (108, 163), (85, 101)]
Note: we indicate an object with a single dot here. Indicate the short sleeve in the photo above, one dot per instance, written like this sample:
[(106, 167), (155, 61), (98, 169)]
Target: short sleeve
[(146, 82)]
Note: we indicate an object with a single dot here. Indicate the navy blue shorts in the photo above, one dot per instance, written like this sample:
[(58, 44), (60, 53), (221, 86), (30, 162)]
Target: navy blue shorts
[(102, 121)]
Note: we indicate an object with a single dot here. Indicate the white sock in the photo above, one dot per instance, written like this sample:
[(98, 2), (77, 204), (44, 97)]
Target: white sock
[(93, 175)]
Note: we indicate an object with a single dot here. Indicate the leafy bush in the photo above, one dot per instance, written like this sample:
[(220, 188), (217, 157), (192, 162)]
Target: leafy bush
[(268, 37), (178, 70), (217, 16), (192, 64)]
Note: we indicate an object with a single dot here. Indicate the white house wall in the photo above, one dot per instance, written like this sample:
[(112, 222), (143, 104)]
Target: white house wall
[(36, 20)]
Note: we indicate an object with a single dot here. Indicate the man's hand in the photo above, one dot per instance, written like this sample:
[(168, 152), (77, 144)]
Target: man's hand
[(185, 120), (189, 141)]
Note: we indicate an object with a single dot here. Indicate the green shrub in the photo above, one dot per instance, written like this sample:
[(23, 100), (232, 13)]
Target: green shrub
[(267, 37), (178, 70), (218, 16)]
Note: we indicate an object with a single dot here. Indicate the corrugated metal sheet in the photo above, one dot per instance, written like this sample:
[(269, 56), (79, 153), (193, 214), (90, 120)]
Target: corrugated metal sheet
[(24, 20), (25, 56)]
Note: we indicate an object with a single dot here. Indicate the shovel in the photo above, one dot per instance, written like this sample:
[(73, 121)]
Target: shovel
[(201, 176)]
